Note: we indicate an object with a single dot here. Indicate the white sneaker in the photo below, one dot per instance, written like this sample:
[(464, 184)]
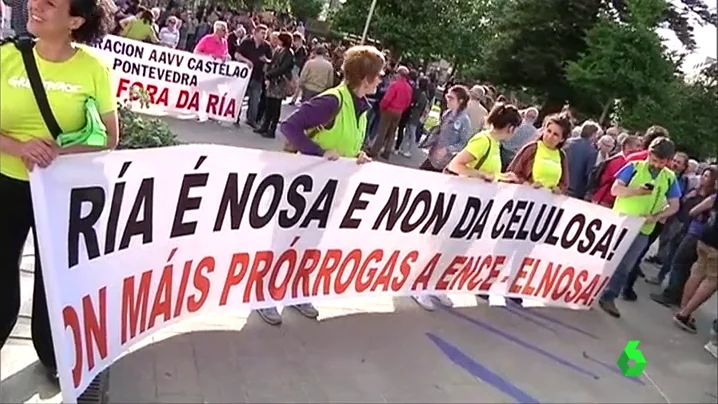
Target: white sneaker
[(425, 302), (712, 348), (443, 300)]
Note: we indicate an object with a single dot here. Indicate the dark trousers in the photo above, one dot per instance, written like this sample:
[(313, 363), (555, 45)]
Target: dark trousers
[(402, 125), (262, 108), (16, 220), (680, 267), (633, 275), (271, 114)]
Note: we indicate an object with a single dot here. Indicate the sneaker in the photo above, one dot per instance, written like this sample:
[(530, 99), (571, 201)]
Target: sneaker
[(443, 300), (685, 323), (270, 315), (406, 154), (425, 302), (629, 295), (712, 348), (307, 310), (654, 280), (663, 300), (609, 306)]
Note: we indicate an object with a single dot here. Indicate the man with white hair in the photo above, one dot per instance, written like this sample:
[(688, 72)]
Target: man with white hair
[(477, 113), (525, 133), (605, 145), (691, 173)]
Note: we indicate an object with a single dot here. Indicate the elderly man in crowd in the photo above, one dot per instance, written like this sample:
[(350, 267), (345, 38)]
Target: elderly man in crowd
[(606, 144), (476, 111), (581, 156), (525, 133), (317, 74)]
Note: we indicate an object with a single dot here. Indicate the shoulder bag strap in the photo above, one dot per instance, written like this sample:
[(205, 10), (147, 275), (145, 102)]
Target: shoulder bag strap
[(480, 162), (25, 46)]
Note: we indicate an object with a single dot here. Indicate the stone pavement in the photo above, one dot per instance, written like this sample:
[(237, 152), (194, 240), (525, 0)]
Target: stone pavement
[(390, 350)]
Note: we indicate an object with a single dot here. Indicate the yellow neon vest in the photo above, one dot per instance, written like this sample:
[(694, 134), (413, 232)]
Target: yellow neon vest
[(346, 136), (646, 204)]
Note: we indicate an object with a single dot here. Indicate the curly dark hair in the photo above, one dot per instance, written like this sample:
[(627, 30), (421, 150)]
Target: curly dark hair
[(99, 19)]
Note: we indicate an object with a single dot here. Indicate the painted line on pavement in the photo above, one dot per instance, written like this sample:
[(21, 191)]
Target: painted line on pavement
[(613, 368), (518, 341), (515, 307), (480, 371)]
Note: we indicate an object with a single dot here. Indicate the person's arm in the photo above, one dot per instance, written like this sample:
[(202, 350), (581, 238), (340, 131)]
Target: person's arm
[(201, 46), (34, 151), (563, 180), (388, 96), (520, 166), (703, 207), (303, 75), (315, 113), (620, 187)]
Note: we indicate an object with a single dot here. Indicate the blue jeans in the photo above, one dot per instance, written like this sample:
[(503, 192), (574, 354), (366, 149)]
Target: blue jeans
[(254, 92), (619, 277)]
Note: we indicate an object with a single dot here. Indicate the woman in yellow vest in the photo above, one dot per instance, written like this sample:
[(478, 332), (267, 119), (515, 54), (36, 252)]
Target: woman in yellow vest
[(332, 125), (542, 163), (71, 75), (140, 27), (481, 157), (646, 189)]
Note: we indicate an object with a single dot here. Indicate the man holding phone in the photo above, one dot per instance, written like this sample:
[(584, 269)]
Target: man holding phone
[(646, 189)]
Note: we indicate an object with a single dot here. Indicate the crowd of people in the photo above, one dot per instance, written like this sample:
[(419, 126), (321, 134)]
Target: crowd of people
[(480, 135), (374, 109)]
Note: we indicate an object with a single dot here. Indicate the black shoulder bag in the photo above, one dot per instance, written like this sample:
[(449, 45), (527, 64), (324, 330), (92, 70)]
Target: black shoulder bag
[(25, 46)]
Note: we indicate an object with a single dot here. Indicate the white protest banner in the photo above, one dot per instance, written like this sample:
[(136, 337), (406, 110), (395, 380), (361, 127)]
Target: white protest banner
[(178, 83), (133, 241)]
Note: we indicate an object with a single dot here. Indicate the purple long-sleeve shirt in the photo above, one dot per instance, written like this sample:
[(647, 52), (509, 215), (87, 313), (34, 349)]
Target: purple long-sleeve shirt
[(318, 111)]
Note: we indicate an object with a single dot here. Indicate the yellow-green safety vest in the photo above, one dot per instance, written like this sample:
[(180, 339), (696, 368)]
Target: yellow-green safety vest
[(650, 204), (346, 136)]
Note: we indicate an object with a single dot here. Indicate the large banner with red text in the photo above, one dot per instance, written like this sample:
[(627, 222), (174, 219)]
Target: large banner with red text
[(130, 246), (175, 83)]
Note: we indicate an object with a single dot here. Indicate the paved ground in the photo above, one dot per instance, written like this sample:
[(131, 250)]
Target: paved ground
[(390, 350)]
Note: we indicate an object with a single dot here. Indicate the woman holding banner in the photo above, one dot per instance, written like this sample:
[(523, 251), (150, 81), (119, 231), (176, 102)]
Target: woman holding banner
[(29, 138), (333, 125), (542, 163)]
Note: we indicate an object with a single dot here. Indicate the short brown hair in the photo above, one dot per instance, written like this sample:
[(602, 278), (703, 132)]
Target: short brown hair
[(360, 63), (504, 115), (653, 133), (662, 147)]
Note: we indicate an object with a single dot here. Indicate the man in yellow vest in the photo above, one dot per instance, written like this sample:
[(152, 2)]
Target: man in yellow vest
[(646, 189)]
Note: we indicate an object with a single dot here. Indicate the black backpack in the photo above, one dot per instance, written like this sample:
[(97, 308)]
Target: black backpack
[(594, 179)]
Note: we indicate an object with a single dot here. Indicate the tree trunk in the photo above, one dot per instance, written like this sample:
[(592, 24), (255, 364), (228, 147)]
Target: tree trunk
[(606, 110)]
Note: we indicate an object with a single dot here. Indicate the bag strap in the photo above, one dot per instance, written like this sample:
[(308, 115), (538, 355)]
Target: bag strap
[(480, 162), (25, 45)]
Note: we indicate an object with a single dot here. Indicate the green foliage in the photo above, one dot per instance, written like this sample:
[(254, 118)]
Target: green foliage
[(306, 9), (140, 131), (622, 61), (688, 111)]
